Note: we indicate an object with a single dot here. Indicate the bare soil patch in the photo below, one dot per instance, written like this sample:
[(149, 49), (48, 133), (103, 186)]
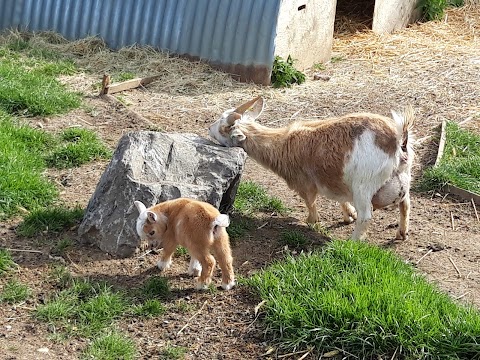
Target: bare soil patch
[(435, 67)]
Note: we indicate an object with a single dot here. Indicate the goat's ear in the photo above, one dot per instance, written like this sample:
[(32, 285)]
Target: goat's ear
[(254, 110), (397, 117), (140, 206), (237, 136), (151, 217)]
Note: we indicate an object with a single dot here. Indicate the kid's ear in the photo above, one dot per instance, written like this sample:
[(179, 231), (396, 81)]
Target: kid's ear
[(140, 206), (151, 217), (237, 136)]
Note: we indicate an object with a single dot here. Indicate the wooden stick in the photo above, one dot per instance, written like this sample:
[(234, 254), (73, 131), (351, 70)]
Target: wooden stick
[(451, 219), (25, 250), (105, 83), (188, 321), (475, 209), (455, 266), (108, 88), (441, 144), (428, 252)]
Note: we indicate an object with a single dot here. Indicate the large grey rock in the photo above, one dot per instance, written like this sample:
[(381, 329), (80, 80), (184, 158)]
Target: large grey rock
[(153, 167)]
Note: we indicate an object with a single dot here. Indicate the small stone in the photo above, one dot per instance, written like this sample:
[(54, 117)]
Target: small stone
[(43, 350), (321, 77)]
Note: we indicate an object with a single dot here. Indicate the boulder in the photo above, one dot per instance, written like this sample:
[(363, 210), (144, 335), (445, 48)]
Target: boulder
[(153, 167)]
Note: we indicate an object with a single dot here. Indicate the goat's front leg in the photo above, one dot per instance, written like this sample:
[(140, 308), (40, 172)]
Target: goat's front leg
[(404, 207), (310, 196), (364, 214), (349, 212), (166, 258)]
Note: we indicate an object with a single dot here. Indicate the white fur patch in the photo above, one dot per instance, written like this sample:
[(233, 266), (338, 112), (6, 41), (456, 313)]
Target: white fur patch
[(222, 220)]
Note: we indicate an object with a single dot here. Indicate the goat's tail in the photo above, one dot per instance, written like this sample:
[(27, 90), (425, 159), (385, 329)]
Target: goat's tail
[(405, 122)]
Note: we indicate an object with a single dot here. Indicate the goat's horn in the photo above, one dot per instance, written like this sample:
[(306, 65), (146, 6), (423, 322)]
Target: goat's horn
[(231, 118), (244, 107)]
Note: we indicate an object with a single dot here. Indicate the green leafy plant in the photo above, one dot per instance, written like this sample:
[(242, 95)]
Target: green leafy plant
[(284, 73), (14, 292), (435, 9)]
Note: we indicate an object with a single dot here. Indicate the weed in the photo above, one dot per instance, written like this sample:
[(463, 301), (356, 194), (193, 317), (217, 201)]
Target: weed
[(112, 346), (79, 147), (150, 308), (252, 197), (14, 292), (156, 286), (293, 238), (6, 262), (49, 220), (171, 352), (284, 74)]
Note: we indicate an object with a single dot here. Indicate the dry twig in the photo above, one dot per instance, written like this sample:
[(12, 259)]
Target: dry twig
[(191, 317), (455, 266)]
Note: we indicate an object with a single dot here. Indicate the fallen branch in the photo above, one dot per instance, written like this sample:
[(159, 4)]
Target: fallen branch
[(451, 219), (25, 250)]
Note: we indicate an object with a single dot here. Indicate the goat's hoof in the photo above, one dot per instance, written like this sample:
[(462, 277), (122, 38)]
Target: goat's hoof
[(201, 286), (228, 286), (401, 235), (164, 265)]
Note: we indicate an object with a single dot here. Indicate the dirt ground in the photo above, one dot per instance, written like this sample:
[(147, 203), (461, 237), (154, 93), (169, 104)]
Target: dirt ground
[(435, 67)]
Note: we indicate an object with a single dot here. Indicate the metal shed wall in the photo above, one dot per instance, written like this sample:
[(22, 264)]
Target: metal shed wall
[(237, 36)]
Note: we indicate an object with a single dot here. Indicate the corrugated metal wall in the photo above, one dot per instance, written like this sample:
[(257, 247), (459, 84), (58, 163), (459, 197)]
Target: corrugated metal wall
[(235, 35)]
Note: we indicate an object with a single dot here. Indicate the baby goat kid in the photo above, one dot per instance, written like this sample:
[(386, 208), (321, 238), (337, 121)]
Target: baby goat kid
[(195, 225), (362, 158)]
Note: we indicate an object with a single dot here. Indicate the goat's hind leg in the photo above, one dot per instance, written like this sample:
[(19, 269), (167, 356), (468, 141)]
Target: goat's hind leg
[(223, 253), (310, 196), (349, 212)]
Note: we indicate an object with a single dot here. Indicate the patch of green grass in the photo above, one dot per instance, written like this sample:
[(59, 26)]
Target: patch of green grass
[(6, 262), (124, 76), (319, 66), (50, 220), (62, 245), (364, 301), (112, 346), (14, 292), (460, 164), (251, 198), (181, 251), (156, 287), (22, 183), (238, 228), (336, 59), (29, 85), (284, 73), (171, 352), (85, 308), (150, 308), (60, 276), (293, 238), (78, 147), (435, 9)]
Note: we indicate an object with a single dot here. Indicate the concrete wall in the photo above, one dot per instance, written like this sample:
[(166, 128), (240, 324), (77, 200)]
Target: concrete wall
[(305, 31), (391, 15)]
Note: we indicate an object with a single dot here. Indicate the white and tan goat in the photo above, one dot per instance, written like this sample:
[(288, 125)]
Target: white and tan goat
[(195, 225), (361, 158)]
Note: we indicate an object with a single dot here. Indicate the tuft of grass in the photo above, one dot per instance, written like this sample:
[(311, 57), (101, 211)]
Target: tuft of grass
[(62, 245), (284, 73), (84, 308), (29, 85), (22, 182), (49, 220), (251, 198), (14, 292), (150, 308), (238, 228), (319, 66), (460, 164), (181, 251), (365, 301), (60, 276), (112, 346), (6, 262), (293, 238), (171, 352), (156, 286), (79, 147)]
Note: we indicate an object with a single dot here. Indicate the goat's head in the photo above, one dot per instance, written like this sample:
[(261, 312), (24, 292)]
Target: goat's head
[(226, 130), (150, 225)]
